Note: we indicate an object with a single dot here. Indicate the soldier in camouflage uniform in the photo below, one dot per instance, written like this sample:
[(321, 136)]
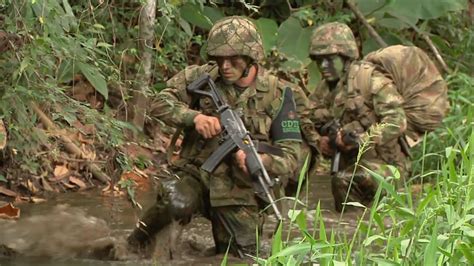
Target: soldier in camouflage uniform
[(374, 121), (226, 197)]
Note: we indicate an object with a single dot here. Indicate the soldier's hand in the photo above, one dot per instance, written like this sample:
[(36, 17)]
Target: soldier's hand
[(325, 146), (344, 145), (240, 158), (207, 126)]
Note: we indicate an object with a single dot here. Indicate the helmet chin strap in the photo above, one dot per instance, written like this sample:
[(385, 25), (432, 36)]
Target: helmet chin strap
[(244, 75), (246, 71)]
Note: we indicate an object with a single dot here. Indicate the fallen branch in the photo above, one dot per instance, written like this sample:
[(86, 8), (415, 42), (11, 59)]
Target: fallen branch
[(435, 51), (364, 21), (382, 43), (71, 147)]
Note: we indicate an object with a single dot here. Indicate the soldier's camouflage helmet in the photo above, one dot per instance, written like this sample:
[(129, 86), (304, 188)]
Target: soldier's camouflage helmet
[(334, 38), (235, 36)]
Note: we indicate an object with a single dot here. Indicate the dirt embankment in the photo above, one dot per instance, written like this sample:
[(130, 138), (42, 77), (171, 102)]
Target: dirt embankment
[(72, 153)]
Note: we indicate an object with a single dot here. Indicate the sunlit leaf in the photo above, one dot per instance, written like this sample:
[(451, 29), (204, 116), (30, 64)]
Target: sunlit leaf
[(451, 214), (430, 251), (470, 205), (339, 263), (463, 221), (277, 243), (309, 237), (224, 259), (404, 246), (383, 261), (405, 211), (104, 44), (293, 214), (372, 238), (388, 187), (300, 248), (379, 221), (301, 221), (355, 204), (99, 26), (467, 251), (425, 201), (468, 230)]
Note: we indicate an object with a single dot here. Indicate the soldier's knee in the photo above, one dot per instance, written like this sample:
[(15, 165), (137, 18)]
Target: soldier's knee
[(182, 197), (338, 182)]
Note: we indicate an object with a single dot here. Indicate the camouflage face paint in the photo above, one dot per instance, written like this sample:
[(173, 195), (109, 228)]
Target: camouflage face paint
[(331, 67), (232, 68)]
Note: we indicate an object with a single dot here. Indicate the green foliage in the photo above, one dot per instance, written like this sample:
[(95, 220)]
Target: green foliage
[(437, 230), (390, 17), (410, 12), (98, 39), (129, 185), (124, 161), (456, 126), (268, 30), (142, 162), (195, 16), (293, 42), (94, 76)]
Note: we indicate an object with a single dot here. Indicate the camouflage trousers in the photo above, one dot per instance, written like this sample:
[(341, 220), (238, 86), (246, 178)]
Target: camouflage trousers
[(356, 184), (291, 184), (181, 199)]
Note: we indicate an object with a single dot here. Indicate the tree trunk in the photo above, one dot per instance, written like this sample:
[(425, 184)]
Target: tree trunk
[(139, 100)]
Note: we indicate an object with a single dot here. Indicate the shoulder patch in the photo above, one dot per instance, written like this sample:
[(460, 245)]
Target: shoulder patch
[(286, 124)]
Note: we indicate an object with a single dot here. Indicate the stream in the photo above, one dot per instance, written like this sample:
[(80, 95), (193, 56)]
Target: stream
[(88, 228)]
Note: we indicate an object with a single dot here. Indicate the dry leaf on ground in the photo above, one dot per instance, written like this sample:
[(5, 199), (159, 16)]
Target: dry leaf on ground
[(46, 184), (112, 190), (66, 183), (36, 200), (60, 170), (7, 192), (8, 211), (88, 153), (88, 129), (78, 182)]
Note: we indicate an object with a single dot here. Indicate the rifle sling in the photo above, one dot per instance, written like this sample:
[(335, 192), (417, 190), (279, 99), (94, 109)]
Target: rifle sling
[(263, 147), (172, 146)]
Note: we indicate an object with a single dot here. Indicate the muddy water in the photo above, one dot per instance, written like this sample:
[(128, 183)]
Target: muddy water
[(81, 229)]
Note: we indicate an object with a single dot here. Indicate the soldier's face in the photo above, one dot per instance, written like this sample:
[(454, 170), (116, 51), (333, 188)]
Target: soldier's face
[(331, 67), (232, 68)]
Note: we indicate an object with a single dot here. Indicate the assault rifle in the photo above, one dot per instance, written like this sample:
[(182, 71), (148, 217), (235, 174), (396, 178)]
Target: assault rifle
[(235, 136), (331, 129)]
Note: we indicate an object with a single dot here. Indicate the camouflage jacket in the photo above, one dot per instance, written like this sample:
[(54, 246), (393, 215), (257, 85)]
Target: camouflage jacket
[(260, 104), (377, 116)]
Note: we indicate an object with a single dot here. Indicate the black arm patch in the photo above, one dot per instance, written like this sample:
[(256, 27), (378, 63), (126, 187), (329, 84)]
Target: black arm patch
[(286, 125)]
